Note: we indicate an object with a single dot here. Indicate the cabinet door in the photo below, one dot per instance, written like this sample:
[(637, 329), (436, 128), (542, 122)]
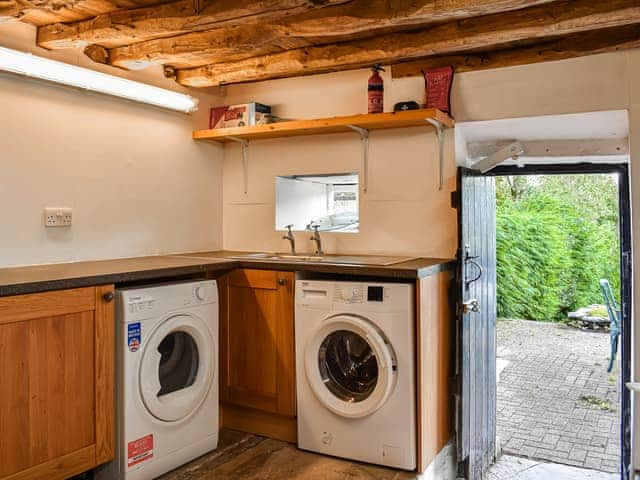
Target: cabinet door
[(56, 379), (257, 348)]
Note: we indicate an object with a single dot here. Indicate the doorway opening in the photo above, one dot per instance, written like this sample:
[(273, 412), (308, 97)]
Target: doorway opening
[(537, 152), (558, 374)]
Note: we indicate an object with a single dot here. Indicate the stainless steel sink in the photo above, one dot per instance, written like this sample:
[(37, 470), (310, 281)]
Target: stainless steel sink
[(339, 259), (279, 257)]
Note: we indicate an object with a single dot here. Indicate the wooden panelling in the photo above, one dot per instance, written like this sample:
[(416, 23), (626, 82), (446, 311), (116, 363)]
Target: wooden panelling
[(252, 353), (260, 423), (104, 375), (285, 340), (47, 407), (257, 350), (435, 334), (26, 307), (261, 279), (56, 379), (58, 468)]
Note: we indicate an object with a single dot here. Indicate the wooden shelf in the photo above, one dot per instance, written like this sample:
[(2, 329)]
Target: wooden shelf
[(376, 121)]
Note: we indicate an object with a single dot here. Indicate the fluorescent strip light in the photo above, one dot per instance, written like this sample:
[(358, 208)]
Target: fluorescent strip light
[(53, 71)]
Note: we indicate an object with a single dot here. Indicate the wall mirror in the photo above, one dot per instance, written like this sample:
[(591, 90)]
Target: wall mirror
[(329, 201)]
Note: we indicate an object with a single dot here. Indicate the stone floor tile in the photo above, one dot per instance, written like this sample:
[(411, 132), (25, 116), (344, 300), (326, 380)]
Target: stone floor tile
[(267, 459)]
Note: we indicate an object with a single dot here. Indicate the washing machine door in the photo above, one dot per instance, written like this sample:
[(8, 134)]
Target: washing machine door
[(177, 368), (350, 366)]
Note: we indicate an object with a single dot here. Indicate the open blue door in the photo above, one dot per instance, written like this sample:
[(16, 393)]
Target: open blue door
[(477, 324)]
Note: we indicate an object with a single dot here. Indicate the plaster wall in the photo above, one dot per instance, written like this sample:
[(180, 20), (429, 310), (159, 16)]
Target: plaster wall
[(136, 182)]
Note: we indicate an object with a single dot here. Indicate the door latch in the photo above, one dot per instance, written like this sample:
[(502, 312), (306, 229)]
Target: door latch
[(471, 306), (471, 260)]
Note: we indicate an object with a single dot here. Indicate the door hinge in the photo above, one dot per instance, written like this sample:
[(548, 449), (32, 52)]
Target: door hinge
[(455, 199), (455, 385)]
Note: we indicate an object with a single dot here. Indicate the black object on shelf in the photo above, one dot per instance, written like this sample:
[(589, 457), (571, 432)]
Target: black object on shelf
[(404, 106)]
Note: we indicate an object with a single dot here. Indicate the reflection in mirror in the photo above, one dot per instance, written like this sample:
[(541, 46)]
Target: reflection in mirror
[(328, 201)]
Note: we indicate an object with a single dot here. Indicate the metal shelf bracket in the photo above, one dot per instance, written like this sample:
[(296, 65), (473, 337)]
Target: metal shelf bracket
[(245, 160), (364, 135), (440, 135)]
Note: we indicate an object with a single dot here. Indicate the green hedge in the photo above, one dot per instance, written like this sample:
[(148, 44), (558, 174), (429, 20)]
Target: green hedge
[(556, 237)]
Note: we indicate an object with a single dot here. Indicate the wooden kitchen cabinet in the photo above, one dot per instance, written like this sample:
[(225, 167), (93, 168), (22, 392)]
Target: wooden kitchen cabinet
[(257, 352), (56, 383)]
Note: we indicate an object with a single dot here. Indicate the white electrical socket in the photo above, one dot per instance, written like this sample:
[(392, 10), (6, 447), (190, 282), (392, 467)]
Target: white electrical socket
[(58, 217)]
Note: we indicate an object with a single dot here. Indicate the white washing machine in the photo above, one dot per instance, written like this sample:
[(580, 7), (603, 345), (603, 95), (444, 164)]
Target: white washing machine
[(167, 378), (355, 371)]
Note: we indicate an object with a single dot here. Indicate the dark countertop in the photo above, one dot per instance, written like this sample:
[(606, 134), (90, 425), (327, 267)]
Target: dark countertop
[(40, 278), (59, 276), (409, 270)]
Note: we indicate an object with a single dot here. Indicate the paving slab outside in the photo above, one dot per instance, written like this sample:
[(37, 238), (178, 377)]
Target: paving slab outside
[(555, 400), (518, 468)]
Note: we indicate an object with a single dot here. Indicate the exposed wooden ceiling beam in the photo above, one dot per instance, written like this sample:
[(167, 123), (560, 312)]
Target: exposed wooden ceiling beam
[(570, 46), (9, 8), (330, 24), (43, 12), (196, 49), (131, 26), (492, 31)]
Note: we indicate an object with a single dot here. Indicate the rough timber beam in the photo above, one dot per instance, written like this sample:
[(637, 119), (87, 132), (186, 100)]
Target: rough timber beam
[(319, 26), (44, 12), (125, 27), (196, 49), (487, 32), (570, 46)]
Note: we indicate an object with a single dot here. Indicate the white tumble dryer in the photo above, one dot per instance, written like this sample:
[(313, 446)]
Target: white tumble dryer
[(167, 378), (355, 371)]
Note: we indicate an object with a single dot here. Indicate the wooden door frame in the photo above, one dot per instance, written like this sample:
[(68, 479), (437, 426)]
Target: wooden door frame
[(626, 274)]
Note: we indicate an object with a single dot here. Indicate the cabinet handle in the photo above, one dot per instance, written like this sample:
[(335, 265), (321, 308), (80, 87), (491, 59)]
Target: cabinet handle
[(282, 281), (108, 296)]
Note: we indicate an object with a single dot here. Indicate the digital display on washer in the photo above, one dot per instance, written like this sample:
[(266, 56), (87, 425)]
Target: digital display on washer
[(375, 294)]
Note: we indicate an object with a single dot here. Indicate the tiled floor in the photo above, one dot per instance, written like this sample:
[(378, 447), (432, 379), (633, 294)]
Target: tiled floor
[(547, 370)]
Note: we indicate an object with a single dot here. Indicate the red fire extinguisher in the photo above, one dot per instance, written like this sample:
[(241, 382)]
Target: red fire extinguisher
[(376, 90)]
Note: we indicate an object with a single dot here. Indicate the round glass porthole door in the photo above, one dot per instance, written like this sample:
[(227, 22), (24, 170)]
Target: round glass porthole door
[(350, 367), (179, 361), (177, 368)]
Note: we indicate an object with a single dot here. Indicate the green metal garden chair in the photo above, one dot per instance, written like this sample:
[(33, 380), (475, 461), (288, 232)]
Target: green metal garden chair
[(613, 309)]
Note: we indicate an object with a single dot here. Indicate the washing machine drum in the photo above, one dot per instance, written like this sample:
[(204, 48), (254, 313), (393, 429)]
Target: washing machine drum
[(177, 368), (350, 366)]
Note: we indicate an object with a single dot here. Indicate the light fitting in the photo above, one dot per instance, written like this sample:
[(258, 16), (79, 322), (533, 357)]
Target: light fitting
[(22, 63)]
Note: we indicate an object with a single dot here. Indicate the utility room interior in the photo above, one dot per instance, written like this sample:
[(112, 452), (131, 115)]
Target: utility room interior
[(256, 239)]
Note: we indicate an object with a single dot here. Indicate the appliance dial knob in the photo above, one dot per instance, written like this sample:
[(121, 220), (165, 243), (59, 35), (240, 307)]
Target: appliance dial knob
[(347, 294), (201, 293)]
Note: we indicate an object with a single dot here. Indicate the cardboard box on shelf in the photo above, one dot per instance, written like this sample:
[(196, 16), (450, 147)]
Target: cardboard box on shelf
[(242, 115)]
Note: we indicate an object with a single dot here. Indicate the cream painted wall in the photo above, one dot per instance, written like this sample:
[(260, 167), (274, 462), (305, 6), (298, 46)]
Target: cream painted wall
[(403, 213), (136, 182)]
